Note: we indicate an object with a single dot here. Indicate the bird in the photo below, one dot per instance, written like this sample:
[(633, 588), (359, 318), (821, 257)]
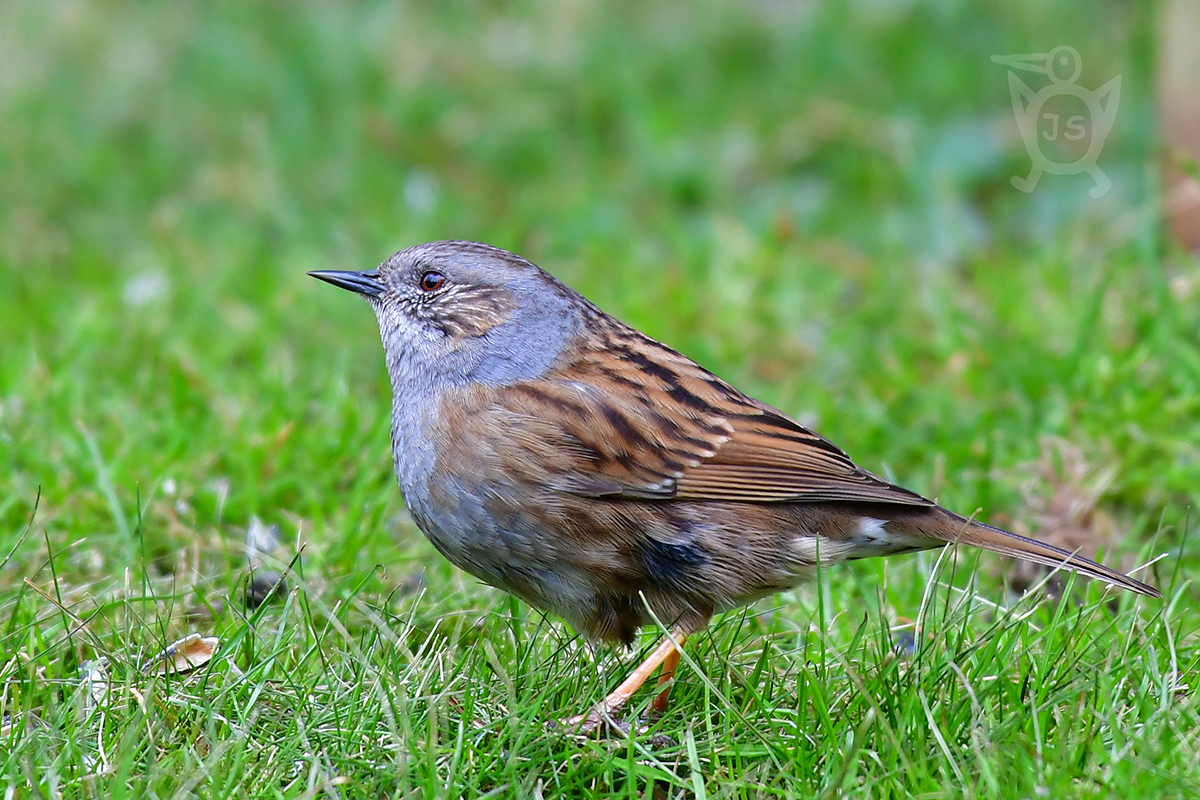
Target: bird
[(558, 454)]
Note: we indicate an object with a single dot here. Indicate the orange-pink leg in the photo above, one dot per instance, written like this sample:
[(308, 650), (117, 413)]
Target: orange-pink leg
[(665, 654), (667, 676)]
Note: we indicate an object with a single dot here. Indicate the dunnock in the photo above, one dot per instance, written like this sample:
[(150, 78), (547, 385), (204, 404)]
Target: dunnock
[(562, 456)]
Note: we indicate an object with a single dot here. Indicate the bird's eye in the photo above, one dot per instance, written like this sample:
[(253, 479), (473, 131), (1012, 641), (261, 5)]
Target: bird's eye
[(432, 281)]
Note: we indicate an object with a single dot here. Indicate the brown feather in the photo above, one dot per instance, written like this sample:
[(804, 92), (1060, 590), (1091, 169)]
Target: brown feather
[(629, 418), (670, 429), (652, 478), (1010, 544)]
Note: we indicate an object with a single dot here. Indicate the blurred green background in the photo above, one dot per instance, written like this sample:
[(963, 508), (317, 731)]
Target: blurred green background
[(811, 199)]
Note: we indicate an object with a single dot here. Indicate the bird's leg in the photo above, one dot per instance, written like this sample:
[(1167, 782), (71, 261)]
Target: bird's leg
[(604, 712), (666, 677)]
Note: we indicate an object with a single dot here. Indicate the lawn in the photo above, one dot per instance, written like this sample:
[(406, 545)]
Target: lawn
[(812, 200)]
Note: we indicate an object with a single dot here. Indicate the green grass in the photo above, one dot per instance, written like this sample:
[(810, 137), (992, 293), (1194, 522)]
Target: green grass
[(815, 203)]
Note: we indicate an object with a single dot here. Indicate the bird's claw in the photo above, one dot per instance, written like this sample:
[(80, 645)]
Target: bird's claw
[(601, 723), (599, 720)]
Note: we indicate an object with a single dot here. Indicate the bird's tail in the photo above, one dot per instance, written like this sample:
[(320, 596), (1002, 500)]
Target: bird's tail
[(952, 528)]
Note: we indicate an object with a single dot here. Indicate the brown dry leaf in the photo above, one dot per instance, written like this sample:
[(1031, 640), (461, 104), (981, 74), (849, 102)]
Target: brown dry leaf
[(184, 655)]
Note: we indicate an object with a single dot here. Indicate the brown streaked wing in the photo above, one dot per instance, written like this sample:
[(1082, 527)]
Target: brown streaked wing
[(771, 459), (635, 419), (598, 444)]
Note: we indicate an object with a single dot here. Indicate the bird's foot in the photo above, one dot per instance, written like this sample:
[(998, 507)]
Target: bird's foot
[(599, 721), (603, 719), (602, 723)]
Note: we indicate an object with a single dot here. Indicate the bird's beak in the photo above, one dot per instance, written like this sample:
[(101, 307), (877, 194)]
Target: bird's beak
[(361, 282), (1033, 62)]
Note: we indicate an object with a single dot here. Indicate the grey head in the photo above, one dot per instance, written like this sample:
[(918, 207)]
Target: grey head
[(457, 312)]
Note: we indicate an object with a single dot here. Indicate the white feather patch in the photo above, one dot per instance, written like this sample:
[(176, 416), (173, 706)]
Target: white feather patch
[(872, 529), (807, 549)]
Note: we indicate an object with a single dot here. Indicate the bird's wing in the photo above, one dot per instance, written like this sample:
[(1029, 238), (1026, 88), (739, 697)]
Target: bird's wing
[(771, 458), (642, 421)]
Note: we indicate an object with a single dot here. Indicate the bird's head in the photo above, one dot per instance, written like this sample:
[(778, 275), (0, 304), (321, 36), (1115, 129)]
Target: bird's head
[(466, 312)]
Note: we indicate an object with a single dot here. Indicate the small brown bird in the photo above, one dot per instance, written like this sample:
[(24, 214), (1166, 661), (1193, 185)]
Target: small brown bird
[(562, 456)]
